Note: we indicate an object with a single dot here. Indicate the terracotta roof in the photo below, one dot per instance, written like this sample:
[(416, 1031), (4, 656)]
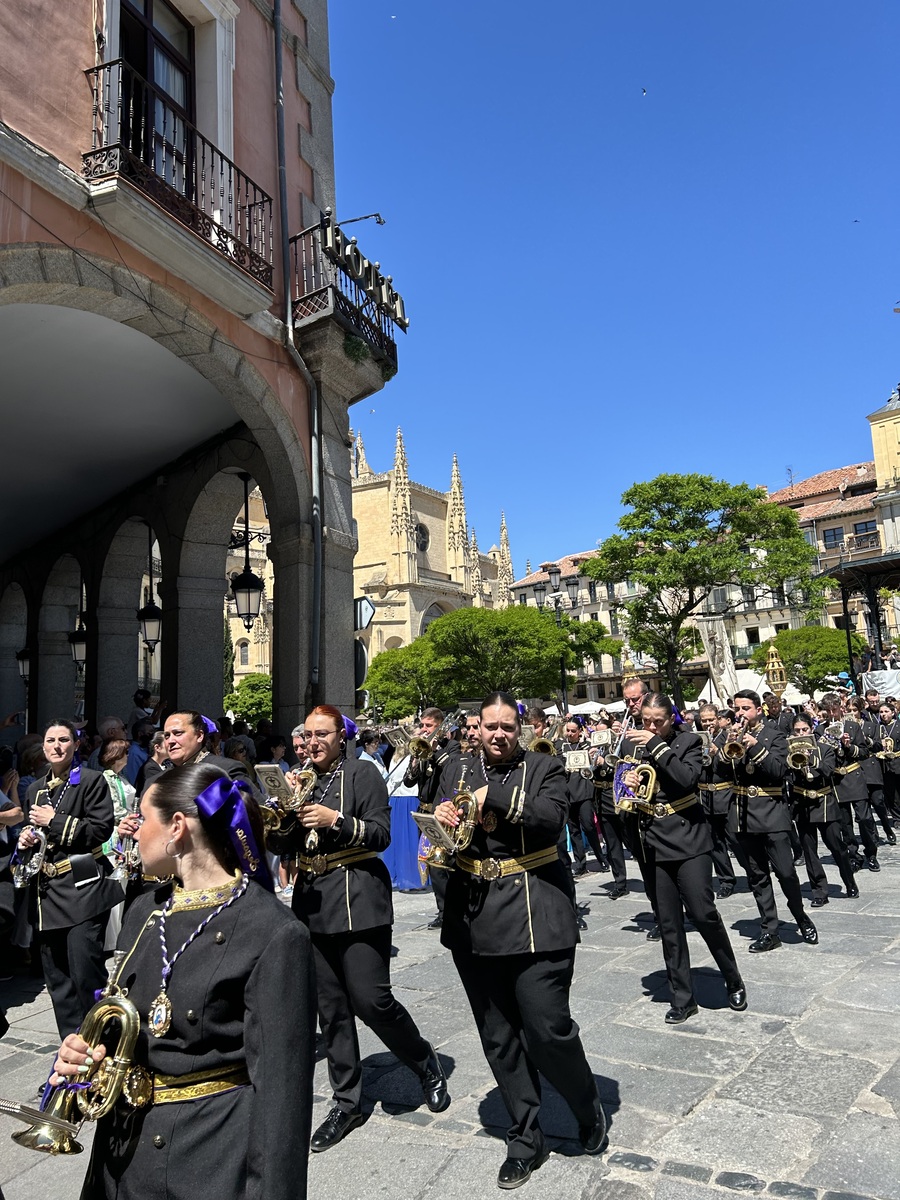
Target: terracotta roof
[(835, 509), (568, 565), (825, 481)]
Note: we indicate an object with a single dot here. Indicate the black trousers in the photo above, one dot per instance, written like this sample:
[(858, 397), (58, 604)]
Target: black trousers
[(879, 808), (74, 963), (765, 853), (890, 794), (520, 1003), (614, 836), (686, 885), (866, 822), (723, 841), (581, 817), (831, 836), (438, 886), (353, 979)]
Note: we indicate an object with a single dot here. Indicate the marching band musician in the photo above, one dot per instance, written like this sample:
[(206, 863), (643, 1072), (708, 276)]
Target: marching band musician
[(776, 713), (343, 895), (716, 782), (509, 921), (889, 735), (760, 818), (852, 789), (816, 804), (678, 847), (581, 803), (72, 895), (425, 774), (472, 742), (873, 766), (187, 740)]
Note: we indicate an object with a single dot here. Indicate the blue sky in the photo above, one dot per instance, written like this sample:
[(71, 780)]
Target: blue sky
[(605, 285)]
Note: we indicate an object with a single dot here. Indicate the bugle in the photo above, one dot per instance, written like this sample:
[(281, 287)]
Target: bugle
[(545, 745)]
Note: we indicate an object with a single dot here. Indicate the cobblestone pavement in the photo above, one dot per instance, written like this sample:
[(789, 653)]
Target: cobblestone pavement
[(798, 1097)]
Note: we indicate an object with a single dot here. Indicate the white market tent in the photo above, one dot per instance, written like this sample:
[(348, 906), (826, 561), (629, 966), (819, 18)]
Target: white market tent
[(755, 682)]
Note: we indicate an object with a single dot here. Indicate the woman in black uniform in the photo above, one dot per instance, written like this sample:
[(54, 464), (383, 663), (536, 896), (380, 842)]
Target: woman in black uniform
[(580, 786), (817, 812), (72, 895), (509, 921), (678, 847), (221, 975), (343, 895)]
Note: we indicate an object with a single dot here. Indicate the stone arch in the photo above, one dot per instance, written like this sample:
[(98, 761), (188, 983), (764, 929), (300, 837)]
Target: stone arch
[(57, 675), (393, 643), (432, 613), (13, 638)]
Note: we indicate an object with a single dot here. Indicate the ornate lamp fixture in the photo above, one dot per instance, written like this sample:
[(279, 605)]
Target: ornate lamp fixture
[(247, 588), (150, 616), (775, 672)]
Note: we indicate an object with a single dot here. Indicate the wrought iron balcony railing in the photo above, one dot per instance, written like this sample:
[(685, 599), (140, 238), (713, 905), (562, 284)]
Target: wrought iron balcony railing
[(321, 287), (864, 541), (141, 136)]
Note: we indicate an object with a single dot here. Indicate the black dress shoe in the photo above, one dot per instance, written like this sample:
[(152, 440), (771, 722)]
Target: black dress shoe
[(434, 1084), (436, 923), (808, 932), (891, 839), (765, 941), (872, 863), (593, 1137), (819, 902), (604, 865), (725, 890), (852, 893), (654, 934), (335, 1126), (580, 872), (516, 1171), (737, 998), (617, 892), (675, 1016), (581, 922)]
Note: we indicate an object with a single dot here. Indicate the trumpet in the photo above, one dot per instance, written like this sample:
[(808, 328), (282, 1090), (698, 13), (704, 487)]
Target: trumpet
[(612, 759), (733, 747), (544, 745), (423, 748), (53, 1129), (461, 834), (802, 754), (279, 812), (25, 868)]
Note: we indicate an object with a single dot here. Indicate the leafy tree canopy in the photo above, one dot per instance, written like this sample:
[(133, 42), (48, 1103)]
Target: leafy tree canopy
[(810, 655), (685, 535), (473, 651), (252, 698)]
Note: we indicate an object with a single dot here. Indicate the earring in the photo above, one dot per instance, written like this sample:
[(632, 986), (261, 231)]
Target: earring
[(171, 853)]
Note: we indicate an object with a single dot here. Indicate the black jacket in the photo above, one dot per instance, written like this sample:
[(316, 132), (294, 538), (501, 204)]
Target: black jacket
[(762, 770), (817, 776), (678, 763), (718, 778), (426, 775), (578, 788), (849, 777), (890, 734), (82, 823), (528, 913)]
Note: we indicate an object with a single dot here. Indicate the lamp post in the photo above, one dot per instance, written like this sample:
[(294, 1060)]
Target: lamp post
[(556, 596), (247, 588), (150, 616), (23, 660), (78, 639)]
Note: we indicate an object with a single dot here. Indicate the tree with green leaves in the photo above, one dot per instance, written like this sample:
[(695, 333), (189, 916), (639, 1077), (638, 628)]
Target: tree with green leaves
[(685, 536), (228, 660), (812, 656), (473, 651), (252, 698)]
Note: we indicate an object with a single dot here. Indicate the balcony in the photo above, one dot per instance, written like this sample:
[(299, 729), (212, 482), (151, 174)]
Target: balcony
[(330, 279), (864, 541), (157, 181)]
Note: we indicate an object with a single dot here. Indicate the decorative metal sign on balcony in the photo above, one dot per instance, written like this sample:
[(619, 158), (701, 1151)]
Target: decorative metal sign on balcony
[(141, 136), (332, 278)]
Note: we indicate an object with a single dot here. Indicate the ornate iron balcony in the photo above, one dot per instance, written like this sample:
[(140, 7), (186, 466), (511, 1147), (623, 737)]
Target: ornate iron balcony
[(139, 135)]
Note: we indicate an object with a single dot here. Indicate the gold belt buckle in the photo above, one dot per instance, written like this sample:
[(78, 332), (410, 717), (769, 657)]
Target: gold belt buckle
[(318, 865), (660, 810), (138, 1087), (490, 869), (49, 869), (752, 791)]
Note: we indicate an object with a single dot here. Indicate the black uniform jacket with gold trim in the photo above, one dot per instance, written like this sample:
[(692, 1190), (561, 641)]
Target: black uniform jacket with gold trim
[(346, 899), (784, 721), (678, 763), (717, 772), (849, 777), (531, 912), (242, 995), (890, 734), (82, 823), (763, 768), (579, 788), (426, 775), (870, 765), (816, 810)]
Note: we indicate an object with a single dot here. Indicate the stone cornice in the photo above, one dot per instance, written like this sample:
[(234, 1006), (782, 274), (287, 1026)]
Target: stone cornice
[(296, 47)]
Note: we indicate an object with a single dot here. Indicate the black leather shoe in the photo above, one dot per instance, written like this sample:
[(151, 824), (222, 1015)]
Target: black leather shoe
[(604, 865), (436, 923), (765, 941), (654, 934), (516, 1171), (615, 893), (335, 1127), (819, 902), (852, 893), (891, 839), (675, 1016), (725, 890), (581, 922), (434, 1084), (872, 864), (737, 998), (580, 873), (593, 1137), (808, 932)]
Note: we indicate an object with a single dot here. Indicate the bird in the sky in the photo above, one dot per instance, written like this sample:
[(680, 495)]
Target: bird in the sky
[(855, 221), (644, 91)]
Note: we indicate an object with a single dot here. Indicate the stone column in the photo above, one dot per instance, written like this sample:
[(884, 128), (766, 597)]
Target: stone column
[(56, 670), (199, 670), (292, 561), (118, 646)]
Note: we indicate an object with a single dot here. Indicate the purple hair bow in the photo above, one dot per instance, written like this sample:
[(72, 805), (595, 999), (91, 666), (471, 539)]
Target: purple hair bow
[(211, 726), (351, 729), (225, 794)]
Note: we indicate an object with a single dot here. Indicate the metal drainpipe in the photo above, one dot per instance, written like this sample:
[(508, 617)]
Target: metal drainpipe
[(315, 400)]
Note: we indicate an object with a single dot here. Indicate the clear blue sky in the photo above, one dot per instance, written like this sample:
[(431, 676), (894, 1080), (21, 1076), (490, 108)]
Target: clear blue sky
[(605, 285)]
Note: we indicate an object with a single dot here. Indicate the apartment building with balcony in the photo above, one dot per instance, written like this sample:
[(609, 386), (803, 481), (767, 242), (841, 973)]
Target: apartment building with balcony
[(167, 327)]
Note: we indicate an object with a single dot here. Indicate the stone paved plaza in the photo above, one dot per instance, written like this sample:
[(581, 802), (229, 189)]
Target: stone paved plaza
[(798, 1097)]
